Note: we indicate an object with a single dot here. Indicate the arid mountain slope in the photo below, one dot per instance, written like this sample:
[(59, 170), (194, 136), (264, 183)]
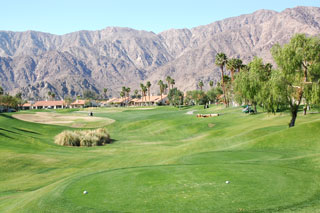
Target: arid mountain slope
[(36, 62)]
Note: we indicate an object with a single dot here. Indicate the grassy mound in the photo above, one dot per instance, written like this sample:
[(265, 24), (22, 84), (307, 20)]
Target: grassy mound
[(97, 137)]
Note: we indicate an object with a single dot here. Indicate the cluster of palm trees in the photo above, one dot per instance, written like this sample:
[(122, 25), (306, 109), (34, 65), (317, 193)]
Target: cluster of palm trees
[(125, 92), (234, 65), (145, 89), (221, 60)]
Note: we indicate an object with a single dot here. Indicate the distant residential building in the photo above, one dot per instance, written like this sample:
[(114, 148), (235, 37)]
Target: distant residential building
[(26, 106), (78, 104), (49, 105), (118, 101), (154, 100)]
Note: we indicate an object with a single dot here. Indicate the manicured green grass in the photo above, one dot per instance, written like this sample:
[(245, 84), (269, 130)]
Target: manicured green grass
[(163, 160)]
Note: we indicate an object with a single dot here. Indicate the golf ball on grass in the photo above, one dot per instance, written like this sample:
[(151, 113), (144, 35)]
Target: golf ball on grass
[(227, 182), (85, 192)]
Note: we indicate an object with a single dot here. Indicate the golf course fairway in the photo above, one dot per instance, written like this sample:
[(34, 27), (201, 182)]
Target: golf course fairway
[(163, 159)]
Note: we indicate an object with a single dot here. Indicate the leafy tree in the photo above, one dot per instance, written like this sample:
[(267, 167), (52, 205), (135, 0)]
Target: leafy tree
[(49, 94), (175, 97), (196, 97), (250, 84), (1, 91), (212, 94), (89, 94), (201, 85), (298, 71), (211, 83), (68, 100), (18, 95), (9, 101)]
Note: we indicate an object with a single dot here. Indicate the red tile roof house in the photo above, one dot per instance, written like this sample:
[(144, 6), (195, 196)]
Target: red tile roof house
[(26, 106), (78, 104), (154, 100), (49, 105), (118, 101)]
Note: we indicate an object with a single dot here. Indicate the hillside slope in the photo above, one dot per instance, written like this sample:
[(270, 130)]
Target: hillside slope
[(36, 62)]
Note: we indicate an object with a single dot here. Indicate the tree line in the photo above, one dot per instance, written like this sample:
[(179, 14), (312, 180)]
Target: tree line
[(294, 82), (10, 102)]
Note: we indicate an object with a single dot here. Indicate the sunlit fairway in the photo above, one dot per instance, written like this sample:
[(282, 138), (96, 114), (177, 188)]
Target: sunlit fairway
[(163, 160)]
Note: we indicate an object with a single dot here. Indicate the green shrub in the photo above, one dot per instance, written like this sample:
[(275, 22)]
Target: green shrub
[(97, 137)]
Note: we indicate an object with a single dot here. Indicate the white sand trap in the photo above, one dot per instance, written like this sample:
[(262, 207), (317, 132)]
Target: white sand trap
[(190, 112), (73, 120)]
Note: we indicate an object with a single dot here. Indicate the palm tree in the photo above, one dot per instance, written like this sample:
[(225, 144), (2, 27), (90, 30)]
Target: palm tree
[(172, 82), (144, 91), (232, 66), (53, 96), (128, 90), (221, 60), (1, 91), (136, 93), (161, 85), (239, 64), (201, 85), (168, 79), (165, 87), (141, 86), (122, 94), (211, 83), (148, 87)]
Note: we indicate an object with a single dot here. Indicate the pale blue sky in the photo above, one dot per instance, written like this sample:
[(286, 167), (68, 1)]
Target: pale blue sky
[(64, 16)]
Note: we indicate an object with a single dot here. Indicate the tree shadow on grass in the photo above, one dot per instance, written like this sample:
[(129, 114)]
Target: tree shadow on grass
[(10, 131), (4, 135), (27, 131), (6, 116), (112, 141)]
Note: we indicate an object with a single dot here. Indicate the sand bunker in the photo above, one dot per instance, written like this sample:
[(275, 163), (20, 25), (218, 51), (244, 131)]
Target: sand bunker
[(72, 120)]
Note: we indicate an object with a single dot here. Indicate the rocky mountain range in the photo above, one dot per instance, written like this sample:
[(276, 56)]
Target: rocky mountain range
[(35, 63)]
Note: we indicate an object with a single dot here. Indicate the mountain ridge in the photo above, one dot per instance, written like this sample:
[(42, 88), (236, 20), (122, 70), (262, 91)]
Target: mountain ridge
[(35, 62)]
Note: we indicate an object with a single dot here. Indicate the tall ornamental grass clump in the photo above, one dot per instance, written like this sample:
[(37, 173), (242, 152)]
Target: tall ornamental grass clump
[(97, 137)]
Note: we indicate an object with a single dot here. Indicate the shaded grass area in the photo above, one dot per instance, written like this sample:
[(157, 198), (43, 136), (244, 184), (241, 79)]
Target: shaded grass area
[(164, 160)]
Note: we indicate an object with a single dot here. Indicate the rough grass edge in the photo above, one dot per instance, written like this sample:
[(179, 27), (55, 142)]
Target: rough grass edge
[(96, 137)]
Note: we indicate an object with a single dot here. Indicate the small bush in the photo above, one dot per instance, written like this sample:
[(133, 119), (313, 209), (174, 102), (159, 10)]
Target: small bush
[(97, 137)]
